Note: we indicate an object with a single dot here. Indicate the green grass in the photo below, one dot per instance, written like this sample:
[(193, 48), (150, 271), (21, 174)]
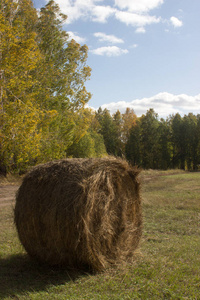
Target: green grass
[(166, 267)]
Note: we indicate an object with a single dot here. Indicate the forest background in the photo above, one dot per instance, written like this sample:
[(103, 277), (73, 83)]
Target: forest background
[(43, 111)]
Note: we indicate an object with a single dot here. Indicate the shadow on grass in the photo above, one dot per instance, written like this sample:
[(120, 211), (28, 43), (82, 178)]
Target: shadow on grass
[(19, 274)]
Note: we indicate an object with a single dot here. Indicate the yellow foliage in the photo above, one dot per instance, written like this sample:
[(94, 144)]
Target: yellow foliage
[(42, 97)]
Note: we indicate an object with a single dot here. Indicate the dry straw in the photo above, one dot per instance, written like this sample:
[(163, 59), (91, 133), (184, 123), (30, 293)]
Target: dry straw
[(80, 212)]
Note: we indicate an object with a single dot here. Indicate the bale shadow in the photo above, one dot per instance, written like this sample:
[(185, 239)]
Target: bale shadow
[(19, 274)]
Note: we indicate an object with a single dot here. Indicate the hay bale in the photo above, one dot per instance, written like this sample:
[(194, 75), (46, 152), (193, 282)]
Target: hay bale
[(80, 212)]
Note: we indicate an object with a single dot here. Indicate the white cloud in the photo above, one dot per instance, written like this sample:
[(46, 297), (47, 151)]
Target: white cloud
[(163, 103), (176, 22), (109, 51), (101, 13), (73, 11), (129, 12), (138, 5), (136, 20), (108, 38), (140, 30), (85, 9), (74, 36), (135, 13)]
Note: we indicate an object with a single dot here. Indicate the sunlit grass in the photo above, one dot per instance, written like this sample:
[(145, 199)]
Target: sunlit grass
[(166, 267)]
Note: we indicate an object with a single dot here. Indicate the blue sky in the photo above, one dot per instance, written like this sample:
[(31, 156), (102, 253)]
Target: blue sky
[(143, 53)]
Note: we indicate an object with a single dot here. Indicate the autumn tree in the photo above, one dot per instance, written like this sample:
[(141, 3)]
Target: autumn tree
[(19, 56), (129, 120), (63, 70), (108, 130), (90, 145), (62, 75), (117, 133), (87, 142), (115, 129), (42, 85)]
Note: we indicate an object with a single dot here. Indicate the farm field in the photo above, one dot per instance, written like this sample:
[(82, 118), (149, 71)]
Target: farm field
[(166, 266)]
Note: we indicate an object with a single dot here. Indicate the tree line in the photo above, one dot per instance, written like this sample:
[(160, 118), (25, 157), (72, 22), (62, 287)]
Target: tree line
[(43, 113), (150, 142)]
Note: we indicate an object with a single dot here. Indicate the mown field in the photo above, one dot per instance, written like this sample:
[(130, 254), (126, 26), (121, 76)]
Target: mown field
[(167, 265)]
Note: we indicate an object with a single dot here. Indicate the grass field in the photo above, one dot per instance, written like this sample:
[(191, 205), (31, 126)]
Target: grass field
[(166, 267)]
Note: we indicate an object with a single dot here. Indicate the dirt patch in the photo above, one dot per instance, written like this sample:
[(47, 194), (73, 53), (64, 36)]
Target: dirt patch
[(7, 194)]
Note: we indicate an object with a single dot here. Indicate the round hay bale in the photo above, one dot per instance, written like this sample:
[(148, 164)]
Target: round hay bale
[(80, 212)]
